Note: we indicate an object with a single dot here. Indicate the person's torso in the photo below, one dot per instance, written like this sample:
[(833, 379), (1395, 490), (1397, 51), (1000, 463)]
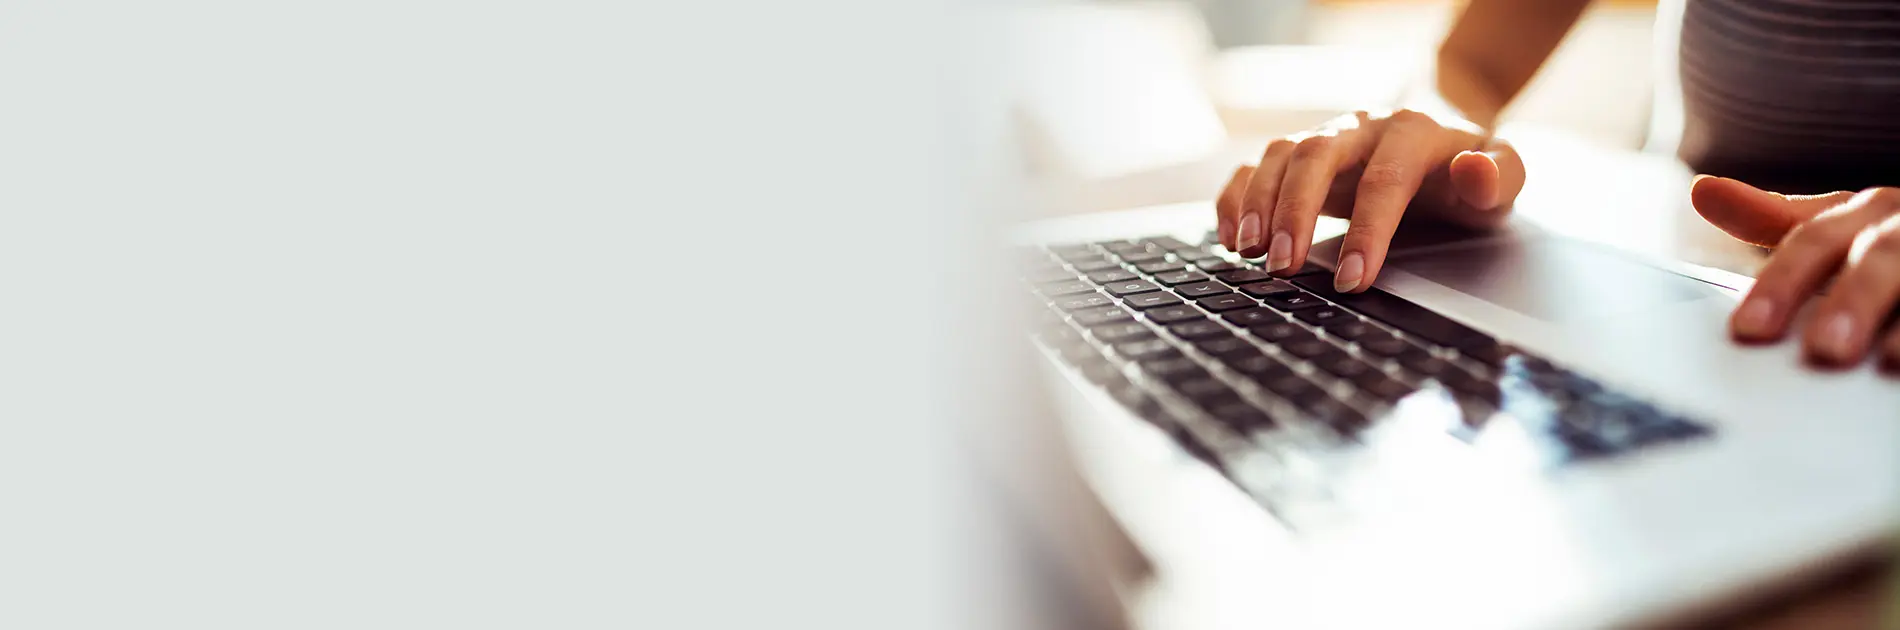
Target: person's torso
[(1796, 93)]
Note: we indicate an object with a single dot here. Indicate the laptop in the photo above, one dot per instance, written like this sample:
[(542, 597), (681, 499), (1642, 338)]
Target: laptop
[(1511, 429)]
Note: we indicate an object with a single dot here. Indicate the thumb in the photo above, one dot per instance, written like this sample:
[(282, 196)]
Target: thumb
[(1754, 215), (1476, 188), (1486, 180)]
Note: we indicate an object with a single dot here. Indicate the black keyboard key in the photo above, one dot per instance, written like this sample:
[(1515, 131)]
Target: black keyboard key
[(1464, 383), (1173, 278), (1226, 302), (1340, 364), (1419, 361), (1384, 345), (1251, 317), (1147, 349), (1307, 348), (1101, 373), (1112, 275), (1350, 330), (1400, 314), (1079, 352), (1166, 242), (1100, 316), (1130, 288), (1241, 416), (1059, 289), (1203, 329), (1293, 301), (1206, 391), (1145, 301), (1278, 331), (1264, 289), (1117, 333), (1215, 265), (1142, 257), (1161, 266), (1309, 269), (1098, 264), (1325, 316), (1335, 414), (1382, 387), (1258, 367), (1201, 289), (1295, 388), (1079, 302), (1243, 276), (1172, 369), (1175, 314), (1494, 354), (1223, 346), (1055, 333)]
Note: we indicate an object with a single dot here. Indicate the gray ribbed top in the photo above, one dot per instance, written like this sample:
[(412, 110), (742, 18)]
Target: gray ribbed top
[(1794, 93)]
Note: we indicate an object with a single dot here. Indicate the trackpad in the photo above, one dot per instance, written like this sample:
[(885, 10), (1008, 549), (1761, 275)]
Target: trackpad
[(1551, 279)]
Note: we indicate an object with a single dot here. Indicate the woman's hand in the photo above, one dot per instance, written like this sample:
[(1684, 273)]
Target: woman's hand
[(1369, 168), (1856, 234)]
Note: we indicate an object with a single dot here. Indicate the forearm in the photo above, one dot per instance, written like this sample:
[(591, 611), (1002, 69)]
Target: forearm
[(1491, 53)]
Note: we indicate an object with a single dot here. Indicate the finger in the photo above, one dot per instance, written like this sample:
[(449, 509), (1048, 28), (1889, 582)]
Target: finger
[(1227, 206), (1309, 175), (1489, 179), (1855, 309), (1754, 215), (1474, 180), (1806, 257), (1474, 189), (1890, 350), (1257, 203), (1405, 153)]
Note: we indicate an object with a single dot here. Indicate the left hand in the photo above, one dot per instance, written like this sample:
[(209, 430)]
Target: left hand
[(1856, 234)]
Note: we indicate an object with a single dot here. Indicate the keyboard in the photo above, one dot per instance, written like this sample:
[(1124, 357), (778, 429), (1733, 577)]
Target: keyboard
[(1226, 357)]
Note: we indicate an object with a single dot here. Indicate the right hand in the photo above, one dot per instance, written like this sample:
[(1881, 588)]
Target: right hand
[(1368, 168)]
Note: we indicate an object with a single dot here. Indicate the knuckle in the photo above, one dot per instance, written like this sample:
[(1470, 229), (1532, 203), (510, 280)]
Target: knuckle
[(1362, 230), (1286, 207), (1409, 117), (1313, 147), (1884, 245), (1382, 178), (1882, 196), (1280, 146), (1820, 231)]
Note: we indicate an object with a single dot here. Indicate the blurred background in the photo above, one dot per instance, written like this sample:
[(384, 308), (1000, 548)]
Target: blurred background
[(1129, 103)]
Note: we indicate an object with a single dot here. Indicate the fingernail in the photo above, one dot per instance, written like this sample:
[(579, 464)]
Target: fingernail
[(1837, 336), (1280, 253), (1754, 318), (1352, 269), (1249, 233)]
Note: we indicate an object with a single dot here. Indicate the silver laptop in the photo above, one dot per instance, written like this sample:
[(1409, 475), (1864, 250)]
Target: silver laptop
[(1512, 429)]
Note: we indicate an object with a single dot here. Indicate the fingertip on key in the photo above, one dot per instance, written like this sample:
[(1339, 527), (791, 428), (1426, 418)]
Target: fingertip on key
[(1352, 271), (1280, 252)]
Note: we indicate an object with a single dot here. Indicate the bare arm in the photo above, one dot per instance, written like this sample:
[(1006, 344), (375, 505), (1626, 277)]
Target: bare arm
[(1494, 49)]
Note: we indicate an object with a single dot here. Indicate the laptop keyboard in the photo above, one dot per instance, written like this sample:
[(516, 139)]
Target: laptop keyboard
[(1223, 355)]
